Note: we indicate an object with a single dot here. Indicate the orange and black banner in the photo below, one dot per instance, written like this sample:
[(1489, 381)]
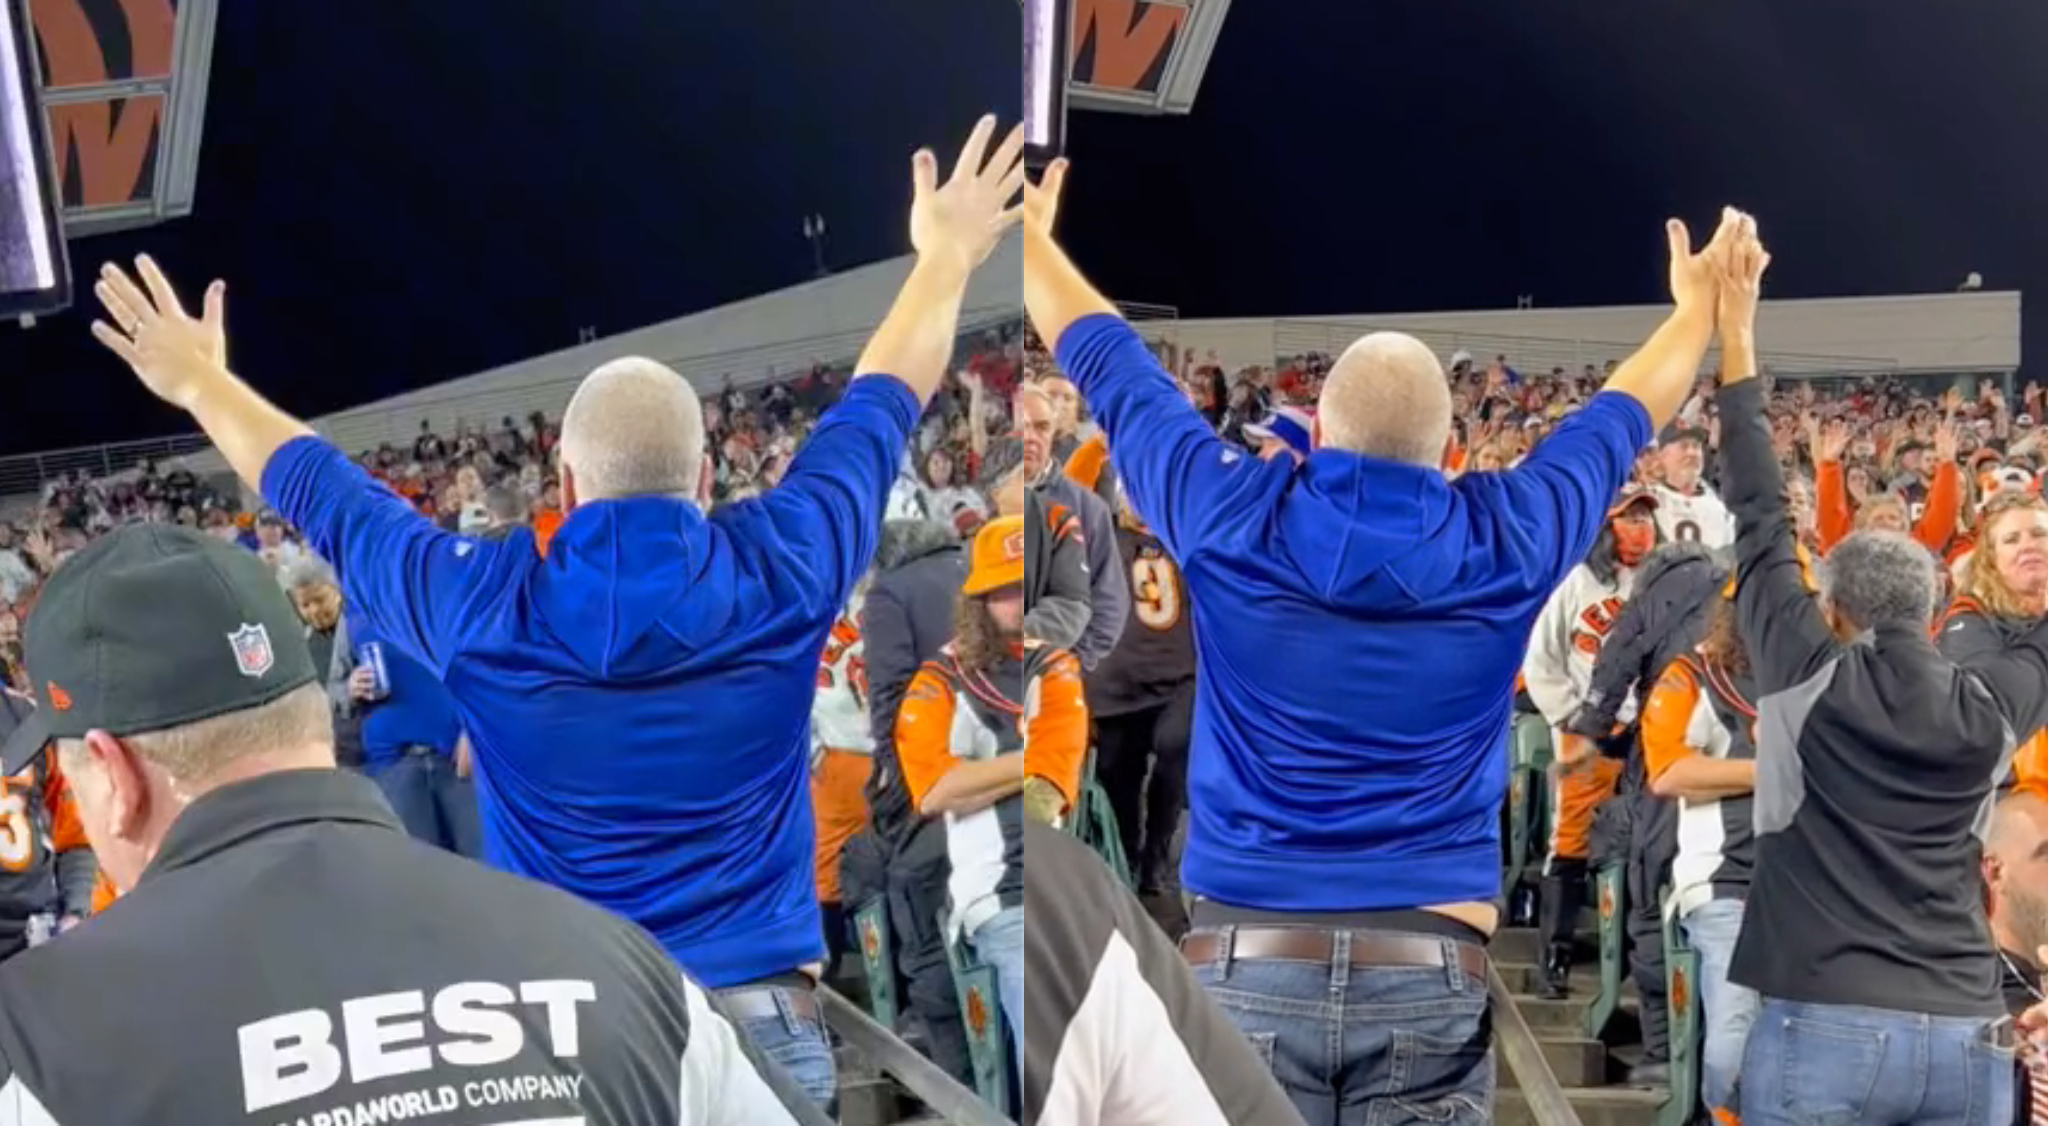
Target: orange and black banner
[(106, 150), (1125, 44)]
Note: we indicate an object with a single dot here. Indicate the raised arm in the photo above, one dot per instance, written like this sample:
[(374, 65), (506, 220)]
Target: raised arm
[(1173, 465), (1775, 608), (1660, 374), (416, 583), (954, 227)]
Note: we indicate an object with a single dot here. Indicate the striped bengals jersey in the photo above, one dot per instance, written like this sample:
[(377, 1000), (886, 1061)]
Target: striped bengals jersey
[(46, 867), (1154, 657), (839, 710), (1699, 708)]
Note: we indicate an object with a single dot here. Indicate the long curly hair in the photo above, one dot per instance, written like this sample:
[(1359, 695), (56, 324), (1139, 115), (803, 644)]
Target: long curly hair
[(977, 641), (1981, 580), (1723, 643)]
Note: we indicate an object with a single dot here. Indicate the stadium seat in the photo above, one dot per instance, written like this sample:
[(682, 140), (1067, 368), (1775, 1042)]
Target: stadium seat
[(981, 1010), (1528, 807), (877, 959), (1681, 976), (1094, 822), (1610, 883)]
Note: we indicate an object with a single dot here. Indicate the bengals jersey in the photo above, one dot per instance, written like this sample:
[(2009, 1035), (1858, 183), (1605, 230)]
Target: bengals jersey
[(1154, 657), (46, 866), (1695, 517), (839, 711), (1574, 624)]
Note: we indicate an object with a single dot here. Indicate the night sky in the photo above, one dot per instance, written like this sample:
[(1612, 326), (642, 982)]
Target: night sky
[(399, 194), (1397, 155)]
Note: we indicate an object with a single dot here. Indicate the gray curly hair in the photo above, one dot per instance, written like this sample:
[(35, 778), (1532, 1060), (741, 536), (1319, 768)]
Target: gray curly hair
[(1880, 578)]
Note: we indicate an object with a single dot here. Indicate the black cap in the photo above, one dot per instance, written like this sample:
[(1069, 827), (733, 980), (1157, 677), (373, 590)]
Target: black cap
[(1678, 432), (155, 626)]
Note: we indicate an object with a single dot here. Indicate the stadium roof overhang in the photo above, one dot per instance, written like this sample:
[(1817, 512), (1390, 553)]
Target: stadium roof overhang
[(1142, 56), (124, 87)]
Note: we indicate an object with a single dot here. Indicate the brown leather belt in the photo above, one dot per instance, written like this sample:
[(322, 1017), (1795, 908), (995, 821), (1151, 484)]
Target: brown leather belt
[(1310, 944), (759, 1004)]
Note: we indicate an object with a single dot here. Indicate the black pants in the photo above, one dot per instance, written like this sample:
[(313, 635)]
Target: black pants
[(917, 891), (1141, 759)]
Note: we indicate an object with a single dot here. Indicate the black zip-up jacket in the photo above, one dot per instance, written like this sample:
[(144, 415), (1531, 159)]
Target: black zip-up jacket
[(1664, 617), (1876, 759), (292, 955), (906, 618)]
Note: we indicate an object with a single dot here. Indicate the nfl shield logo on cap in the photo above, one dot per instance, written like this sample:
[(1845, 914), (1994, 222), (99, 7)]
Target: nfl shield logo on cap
[(252, 650)]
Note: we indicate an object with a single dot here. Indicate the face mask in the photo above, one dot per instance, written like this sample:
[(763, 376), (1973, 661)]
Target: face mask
[(1632, 542)]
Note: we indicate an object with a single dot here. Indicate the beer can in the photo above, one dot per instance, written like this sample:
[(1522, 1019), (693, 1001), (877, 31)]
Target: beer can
[(372, 658)]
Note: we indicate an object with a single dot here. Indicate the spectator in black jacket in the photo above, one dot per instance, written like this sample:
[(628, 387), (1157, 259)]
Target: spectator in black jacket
[(1666, 616), (1864, 931), (905, 619)]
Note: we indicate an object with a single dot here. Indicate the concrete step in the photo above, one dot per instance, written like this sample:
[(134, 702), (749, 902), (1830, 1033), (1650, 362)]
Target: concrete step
[(870, 1102), (1575, 1060), (1522, 978), (1521, 944), (1597, 1106)]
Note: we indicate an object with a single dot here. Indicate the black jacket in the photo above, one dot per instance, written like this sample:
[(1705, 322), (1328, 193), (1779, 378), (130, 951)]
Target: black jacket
[(904, 621), (1109, 589), (1875, 763), (1666, 616), (292, 953)]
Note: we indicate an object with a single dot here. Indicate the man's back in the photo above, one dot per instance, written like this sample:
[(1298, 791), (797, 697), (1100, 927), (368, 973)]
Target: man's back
[(1358, 624), (638, 700), (292, 954)]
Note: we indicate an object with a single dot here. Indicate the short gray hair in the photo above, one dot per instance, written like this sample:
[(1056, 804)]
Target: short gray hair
[(633, 428), (1880, 578), (1386, 397), (307, 571), (195, 752)]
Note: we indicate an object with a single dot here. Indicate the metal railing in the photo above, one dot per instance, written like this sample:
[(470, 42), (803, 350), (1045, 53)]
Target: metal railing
[(1538, 1084), (925, 1079)]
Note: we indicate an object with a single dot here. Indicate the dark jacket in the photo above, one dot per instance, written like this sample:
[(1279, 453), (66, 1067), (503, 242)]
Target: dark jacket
[(904, 621), (1666, 616), (1057, 599), (1875, 760), (1109, 589), (320, 917)]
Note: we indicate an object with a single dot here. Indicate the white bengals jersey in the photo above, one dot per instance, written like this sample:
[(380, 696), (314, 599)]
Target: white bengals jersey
[(839, 710), (1696, 517), (1574, 624)]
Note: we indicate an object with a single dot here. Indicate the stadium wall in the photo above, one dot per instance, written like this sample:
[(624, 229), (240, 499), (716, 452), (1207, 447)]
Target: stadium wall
[(1946, 332)]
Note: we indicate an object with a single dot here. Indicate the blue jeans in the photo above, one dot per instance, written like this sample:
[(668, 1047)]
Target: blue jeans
[(999, 944), (798, 1044), (431, 802), (1383, 1045), (1842, 1065), (1727, 1010)]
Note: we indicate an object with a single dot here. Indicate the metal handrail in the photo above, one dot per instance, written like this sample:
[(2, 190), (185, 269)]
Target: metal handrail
[(932, 1086), (1539, 1085)]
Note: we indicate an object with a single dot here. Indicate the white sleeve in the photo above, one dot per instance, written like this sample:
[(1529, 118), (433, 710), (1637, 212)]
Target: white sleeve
[(1547, 667), (20, 1107), (720, 1086)]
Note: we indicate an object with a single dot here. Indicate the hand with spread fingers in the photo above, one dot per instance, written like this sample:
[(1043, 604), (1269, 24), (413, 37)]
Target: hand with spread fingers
[(176, 354), (963, 219)]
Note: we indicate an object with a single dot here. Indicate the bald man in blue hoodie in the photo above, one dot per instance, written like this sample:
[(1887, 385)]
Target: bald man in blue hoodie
[(638, 701)]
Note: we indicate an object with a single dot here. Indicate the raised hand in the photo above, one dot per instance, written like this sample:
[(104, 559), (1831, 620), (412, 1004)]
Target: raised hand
[(1834, 440), (1947, 443), (962, 219), (175, 354), (1042, 200), (1741, 260), (1695, 277)]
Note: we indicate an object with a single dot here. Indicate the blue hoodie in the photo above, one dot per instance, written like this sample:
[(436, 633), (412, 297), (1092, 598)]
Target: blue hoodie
[(638, 701), (415, 712), (1358, 626)]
